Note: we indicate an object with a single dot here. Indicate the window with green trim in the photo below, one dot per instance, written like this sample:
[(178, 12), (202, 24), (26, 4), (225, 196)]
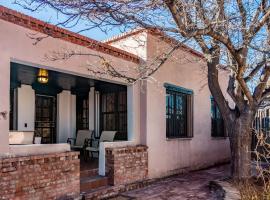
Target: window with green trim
[(217, 123), (179, 112)]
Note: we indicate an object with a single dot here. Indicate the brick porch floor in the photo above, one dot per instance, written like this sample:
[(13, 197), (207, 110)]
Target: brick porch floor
[(89, 164), (190, 186)]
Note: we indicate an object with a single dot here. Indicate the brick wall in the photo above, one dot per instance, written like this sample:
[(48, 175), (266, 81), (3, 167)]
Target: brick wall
[(126, 164), (51, 176)]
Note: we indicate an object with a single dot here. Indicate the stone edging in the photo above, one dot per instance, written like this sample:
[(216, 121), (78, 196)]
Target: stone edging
[(224, 190)]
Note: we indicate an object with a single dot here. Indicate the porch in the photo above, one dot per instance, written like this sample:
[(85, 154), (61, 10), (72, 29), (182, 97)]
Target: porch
[(50, 110), (56, 109)]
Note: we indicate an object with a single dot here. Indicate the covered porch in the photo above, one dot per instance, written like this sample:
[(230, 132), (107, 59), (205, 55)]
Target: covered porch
[(58, 108)]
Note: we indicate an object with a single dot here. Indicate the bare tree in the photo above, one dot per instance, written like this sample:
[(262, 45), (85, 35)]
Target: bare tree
[(230, 33)]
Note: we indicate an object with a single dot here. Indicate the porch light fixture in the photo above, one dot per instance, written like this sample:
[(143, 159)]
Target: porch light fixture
[(43, 76)]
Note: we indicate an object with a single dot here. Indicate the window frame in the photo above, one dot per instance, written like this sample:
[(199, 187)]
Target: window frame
[(216, 111), (187, 95)]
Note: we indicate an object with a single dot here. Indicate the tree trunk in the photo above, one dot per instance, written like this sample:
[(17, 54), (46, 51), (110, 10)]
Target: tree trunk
[(240, 140)]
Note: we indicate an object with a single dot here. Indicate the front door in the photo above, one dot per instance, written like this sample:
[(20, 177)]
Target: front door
[(45, 122)]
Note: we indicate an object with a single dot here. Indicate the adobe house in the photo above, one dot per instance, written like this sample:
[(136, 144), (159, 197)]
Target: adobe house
[(164, 125)]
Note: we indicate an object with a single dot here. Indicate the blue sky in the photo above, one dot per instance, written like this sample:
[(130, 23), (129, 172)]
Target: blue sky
[(49, 15)]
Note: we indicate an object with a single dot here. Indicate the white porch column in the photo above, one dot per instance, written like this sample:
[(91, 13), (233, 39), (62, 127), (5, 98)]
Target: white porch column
[(64, 116), (26, 108), (4, 103), (91, 100), (133, 112)]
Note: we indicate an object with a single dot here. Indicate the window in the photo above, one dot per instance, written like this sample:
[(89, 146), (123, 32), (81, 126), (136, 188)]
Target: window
[(179, 112), (114, 113), (82, 109), (217, 123)]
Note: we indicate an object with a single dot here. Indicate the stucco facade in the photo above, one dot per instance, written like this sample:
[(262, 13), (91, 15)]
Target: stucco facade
[(146, 99), (184, 69), (17, 47)]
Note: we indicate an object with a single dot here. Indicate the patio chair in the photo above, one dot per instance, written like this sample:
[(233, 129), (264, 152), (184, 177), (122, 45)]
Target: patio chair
[(79, 141), (106, 136)]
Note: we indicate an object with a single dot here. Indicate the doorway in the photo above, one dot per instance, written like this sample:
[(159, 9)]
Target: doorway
[(45, 118)]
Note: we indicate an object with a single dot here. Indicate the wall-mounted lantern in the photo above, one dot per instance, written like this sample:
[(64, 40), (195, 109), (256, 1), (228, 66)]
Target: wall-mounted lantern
[(43, 76)]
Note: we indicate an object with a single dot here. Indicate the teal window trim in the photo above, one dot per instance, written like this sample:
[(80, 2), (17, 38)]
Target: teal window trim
[(179, 114), (178, 88)]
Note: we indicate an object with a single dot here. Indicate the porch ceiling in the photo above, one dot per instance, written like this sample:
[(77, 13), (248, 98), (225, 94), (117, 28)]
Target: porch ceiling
[(23, 74)]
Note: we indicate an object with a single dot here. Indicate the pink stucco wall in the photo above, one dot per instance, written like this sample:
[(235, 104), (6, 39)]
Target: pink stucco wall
[(168, 156), (16, 46)]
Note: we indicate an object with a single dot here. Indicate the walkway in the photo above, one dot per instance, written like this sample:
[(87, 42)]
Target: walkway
[(190, 186)]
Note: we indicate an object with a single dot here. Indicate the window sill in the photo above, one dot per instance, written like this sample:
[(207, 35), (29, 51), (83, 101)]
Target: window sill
[(218, 138), (181, 138)]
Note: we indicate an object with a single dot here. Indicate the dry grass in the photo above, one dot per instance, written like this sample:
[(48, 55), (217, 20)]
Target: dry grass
[(258, 188), (253, 190)]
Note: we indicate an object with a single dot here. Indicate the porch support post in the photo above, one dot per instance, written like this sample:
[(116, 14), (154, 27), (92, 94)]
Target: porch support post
[(4, 104), (133, 111), (64, 109), (26, 108)]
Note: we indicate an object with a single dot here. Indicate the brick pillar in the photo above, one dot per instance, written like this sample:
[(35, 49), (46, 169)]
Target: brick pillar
[(126, 164)]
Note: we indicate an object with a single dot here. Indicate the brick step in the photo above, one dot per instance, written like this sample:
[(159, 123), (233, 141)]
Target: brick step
[(106, 192), (88, 173), (93, 182), (101, 193)]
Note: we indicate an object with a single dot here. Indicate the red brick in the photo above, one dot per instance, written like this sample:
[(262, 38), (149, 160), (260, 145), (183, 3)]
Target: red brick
[(126, 164), (40, 177)]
